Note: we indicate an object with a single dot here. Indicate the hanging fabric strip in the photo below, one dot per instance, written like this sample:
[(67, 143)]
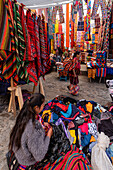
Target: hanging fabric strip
[(103, 5), (20, 44), (67, 25), (54, 13), (37, 47), (50, 23), (106, 38), (46, 14), (72, 34), (88, 36), (62, 42), (7, 45), (75, 29)]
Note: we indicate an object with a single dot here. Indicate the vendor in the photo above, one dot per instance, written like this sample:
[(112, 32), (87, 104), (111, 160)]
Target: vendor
[(28, 139), (74, 71)]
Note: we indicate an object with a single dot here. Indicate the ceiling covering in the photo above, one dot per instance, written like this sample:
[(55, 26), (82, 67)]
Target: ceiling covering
[(33, 4)]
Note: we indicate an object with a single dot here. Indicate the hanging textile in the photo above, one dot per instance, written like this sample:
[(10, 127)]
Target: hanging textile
[(72, 34), (55, 42), (50, 23), (88, 36), (7, 48), (103, 5), (45, 14), (37, 47), (48, 62), (106, 38), (62, 42), (31, 32), (67, 25), (60, 29), (74, 10), (28, 54), (56, 26), (54, 13), (75, 28), (43, 46), (20, 45)]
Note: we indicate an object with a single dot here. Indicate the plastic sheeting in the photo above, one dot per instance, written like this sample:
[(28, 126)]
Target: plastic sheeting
[(99, 158)]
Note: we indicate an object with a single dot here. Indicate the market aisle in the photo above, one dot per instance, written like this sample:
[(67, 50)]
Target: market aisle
[(52, 86)]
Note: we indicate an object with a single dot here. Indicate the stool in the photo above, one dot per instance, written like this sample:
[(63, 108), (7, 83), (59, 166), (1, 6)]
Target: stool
[(15, 91), (63, 78)]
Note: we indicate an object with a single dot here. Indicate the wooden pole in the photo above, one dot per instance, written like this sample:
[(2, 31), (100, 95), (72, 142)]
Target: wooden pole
[(41, 89), (13, 97)]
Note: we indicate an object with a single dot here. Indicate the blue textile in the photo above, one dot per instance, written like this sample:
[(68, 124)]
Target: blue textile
[(85, 140), (68, 113)]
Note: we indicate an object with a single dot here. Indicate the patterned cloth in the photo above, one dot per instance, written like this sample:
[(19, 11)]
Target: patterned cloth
[(20, 44), (7, 46), (54, 12), (74, 159)]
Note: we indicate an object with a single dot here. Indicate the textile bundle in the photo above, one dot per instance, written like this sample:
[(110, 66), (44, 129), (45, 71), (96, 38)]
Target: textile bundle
[(23, 44)]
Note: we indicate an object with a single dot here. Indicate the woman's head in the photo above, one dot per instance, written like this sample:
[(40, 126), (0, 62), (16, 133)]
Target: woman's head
[(36, 102), (29, 110)]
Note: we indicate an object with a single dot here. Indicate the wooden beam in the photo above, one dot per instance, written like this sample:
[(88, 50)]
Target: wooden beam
[(41, 89), (13, 97)]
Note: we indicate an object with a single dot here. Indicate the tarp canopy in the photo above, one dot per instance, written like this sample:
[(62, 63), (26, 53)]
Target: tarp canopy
[(33, 4)]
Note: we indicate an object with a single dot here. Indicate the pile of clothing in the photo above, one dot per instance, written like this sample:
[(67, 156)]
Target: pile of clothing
[(85, 124)]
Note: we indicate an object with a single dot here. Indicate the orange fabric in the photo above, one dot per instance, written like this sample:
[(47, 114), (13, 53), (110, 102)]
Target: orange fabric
[(67, 25)]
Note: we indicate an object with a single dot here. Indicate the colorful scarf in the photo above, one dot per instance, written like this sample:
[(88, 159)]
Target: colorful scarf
[(20, 44)]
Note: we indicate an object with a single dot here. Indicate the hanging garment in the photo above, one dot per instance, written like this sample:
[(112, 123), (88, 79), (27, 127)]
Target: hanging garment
[(54, 13), (43, 50), (103, 5), (28, 54), (7, 46), (67, 25), (20, 44), (37, 47), (48, 62), (50, 23)]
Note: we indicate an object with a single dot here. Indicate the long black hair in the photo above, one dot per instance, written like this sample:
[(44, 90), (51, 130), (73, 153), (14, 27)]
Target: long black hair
[(27, 112)]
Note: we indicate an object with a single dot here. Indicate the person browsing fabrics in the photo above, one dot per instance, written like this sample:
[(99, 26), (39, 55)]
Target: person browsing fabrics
[(29, 140)]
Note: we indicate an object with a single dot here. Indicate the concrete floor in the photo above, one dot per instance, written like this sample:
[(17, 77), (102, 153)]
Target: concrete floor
[(52, 86)]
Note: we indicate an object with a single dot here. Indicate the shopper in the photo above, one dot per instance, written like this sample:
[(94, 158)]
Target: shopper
[(28, 139), (74, 71)]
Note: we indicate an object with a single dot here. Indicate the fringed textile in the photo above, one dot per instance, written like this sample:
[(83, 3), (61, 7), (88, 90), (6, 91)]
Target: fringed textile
[(20, 45), (54, 12)]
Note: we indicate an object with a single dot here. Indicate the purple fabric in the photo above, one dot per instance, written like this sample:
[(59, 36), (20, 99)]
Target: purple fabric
[(59, 121)]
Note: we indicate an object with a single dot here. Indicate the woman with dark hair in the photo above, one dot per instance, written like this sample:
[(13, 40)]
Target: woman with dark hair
[(28, 140), (74, 71)]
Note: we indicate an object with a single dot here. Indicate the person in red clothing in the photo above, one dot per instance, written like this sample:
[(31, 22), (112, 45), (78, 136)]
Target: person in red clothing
[(74, 71)]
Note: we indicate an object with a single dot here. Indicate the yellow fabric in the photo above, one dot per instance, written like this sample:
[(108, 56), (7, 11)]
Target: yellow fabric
[(92, 139), (56, 27), (52, 45), (89, 107), (46, 112), (91, 73), (72, 133)]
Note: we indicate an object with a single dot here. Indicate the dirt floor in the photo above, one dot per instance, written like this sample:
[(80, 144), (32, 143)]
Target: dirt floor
[(52, 86)]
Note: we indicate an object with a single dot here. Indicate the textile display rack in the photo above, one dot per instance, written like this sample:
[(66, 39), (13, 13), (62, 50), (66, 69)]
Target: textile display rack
[(97, 66), (24, 54)]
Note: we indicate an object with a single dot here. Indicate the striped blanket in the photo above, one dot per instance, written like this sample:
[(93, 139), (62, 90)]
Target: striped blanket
[(74, 159)]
